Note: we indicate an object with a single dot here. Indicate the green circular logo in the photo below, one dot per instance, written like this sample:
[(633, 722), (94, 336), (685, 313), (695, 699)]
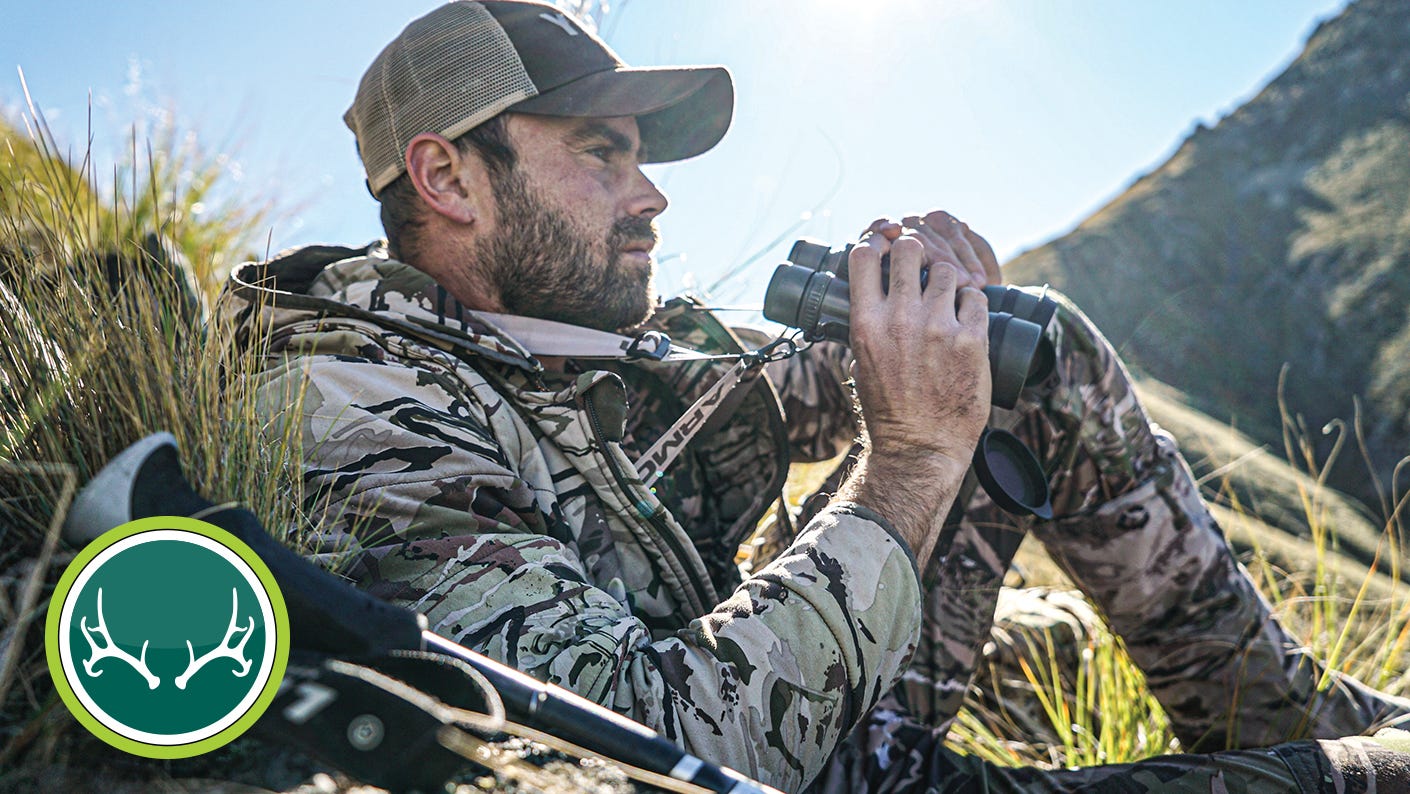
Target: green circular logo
[(167, 637)]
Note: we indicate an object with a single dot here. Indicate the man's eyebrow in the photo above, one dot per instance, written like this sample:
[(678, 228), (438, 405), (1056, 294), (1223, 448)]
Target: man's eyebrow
[(591, 131)]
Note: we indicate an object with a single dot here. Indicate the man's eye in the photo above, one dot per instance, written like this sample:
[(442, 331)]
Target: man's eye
[(603, 153)]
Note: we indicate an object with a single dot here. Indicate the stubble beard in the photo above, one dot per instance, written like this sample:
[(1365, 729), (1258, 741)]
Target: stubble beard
[(544, 267)]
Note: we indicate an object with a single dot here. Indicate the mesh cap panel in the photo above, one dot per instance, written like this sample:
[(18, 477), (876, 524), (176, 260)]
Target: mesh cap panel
[(448, 72), (470, 60)]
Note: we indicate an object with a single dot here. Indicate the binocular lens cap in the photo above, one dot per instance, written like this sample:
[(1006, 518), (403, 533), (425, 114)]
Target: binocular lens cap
[(1011, 475)]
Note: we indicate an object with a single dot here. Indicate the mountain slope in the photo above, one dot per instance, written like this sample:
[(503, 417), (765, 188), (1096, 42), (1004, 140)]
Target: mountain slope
[(1281, 236)]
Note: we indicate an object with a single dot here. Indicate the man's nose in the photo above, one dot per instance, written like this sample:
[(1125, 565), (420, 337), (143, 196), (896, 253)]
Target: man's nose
[(646, 199)]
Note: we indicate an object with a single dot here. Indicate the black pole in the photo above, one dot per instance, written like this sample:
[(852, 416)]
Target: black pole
[(331, 617)]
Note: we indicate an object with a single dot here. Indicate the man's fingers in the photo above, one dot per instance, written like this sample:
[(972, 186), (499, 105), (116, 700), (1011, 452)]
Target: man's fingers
[(864, 272), (907, 254), (953, 231), (886, 227), (945, 227), (973, 249), (946, 239), (985, 252), (937, 248), (940, 291), (973, 309)]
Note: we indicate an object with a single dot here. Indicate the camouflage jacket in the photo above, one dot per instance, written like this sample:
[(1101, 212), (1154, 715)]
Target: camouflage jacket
[(501, 501)]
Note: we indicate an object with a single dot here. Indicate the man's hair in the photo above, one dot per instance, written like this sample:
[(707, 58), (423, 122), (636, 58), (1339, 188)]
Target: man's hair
[(403, 212)]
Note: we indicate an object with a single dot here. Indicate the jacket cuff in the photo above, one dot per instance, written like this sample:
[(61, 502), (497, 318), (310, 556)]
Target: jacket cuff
[(867, 514)]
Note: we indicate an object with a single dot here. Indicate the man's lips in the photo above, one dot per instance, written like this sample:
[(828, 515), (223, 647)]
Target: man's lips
[(639, 247), (639, 252)]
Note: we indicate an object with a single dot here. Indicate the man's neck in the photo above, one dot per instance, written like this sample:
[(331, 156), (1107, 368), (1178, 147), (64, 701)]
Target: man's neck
[(464, 283)]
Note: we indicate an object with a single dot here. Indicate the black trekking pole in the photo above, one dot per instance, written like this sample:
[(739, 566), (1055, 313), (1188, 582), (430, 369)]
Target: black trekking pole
[(331, 618), (328, 616)]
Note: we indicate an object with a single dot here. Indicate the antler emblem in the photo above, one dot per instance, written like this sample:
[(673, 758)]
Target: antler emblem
[(111, 650), (224, 650)]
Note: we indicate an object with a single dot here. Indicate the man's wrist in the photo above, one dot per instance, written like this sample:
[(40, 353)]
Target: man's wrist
[(904, 459), (911, 488)]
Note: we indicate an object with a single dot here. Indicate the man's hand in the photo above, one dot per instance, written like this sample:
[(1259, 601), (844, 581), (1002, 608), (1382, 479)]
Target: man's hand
[(950, 241), (922, 373)]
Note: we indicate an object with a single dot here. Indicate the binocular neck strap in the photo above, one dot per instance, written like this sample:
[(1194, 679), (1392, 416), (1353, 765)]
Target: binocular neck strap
[(550, 338)]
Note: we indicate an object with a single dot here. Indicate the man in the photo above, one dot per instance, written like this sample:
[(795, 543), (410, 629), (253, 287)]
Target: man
[(488, 477)]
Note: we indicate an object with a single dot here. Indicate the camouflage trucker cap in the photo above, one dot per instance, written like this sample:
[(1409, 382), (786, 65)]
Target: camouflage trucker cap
[(466, 62)]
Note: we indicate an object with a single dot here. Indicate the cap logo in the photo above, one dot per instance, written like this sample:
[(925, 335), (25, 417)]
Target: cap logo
[(561, 21)]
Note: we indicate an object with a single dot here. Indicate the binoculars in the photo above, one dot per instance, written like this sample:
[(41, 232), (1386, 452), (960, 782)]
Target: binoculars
[(810, 293)]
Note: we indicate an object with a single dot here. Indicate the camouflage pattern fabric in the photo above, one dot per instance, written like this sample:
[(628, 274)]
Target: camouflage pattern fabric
[(1132, 531), (893, 752), (1134, 534), (501, 501)]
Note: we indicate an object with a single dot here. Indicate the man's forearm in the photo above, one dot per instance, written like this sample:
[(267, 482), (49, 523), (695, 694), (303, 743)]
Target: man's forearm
[(911, 488), (922, 375)]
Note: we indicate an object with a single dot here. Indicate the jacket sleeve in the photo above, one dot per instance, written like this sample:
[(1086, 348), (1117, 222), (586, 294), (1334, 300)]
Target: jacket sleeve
[(449, 524), (816, 395)]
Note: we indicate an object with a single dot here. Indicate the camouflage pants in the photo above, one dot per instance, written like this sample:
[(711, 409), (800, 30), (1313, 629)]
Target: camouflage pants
[(1132, 531)]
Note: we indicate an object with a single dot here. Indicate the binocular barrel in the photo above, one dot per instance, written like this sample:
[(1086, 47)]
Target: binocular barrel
[(817, 302)]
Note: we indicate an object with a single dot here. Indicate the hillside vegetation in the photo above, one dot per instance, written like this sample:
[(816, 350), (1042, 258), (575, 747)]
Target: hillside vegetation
[(1280, 237)]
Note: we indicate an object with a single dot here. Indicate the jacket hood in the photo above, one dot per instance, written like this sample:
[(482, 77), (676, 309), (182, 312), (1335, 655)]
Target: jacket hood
[(307, 284)]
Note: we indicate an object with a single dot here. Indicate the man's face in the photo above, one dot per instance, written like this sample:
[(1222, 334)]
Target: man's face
[(573, 232)]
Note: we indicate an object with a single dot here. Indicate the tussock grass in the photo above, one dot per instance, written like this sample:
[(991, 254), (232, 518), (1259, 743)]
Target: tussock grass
[(1097, 711), (107, 337)]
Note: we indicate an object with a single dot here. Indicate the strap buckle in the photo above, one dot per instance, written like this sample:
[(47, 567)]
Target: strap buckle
[(652, 345)]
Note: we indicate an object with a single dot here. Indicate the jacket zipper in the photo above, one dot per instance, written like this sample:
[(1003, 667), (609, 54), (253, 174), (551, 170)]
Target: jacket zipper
[(663, 530)]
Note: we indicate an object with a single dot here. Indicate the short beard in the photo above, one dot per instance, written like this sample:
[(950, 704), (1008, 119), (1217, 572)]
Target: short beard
[(545, 268)]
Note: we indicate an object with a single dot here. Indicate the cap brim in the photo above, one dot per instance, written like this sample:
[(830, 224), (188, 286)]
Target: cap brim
[(680, 112)]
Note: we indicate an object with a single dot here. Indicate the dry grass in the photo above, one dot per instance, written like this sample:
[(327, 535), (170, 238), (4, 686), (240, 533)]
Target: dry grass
[(103, 301)]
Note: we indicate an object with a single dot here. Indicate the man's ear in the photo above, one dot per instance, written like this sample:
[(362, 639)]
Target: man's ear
[(452, 184)]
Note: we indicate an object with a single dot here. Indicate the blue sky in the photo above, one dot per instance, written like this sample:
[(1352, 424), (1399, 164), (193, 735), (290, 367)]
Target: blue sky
[(1020, 116)]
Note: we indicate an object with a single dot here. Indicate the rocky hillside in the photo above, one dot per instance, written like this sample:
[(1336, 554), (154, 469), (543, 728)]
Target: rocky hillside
[(1279, 237)]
